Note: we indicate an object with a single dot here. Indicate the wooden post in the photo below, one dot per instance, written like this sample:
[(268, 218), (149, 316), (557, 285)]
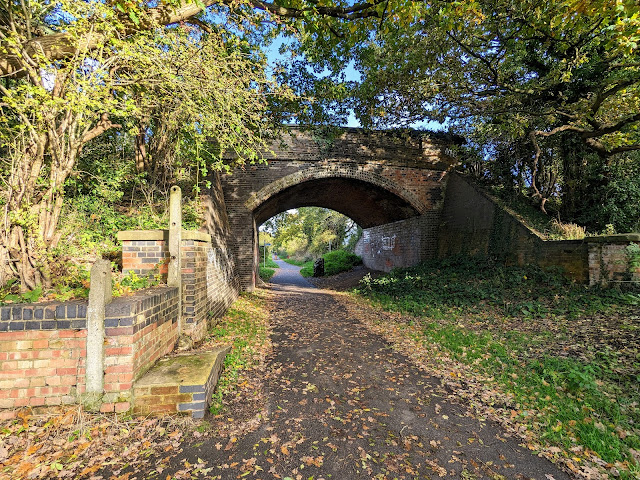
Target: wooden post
[(174, 277), (99, 297)]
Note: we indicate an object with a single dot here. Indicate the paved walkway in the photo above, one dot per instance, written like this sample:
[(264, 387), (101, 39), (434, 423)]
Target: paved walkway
[(342, 404)]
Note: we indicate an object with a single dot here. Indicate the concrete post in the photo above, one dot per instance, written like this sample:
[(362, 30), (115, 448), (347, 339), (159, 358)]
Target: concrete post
[(174, 277), (99, 297)]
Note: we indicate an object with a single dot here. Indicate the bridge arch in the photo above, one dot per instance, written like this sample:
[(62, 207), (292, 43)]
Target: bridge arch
[(367, 197), (391, 183)]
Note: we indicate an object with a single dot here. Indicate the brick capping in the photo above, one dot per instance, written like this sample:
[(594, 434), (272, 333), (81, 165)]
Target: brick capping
[(625, 238), (156, 235)]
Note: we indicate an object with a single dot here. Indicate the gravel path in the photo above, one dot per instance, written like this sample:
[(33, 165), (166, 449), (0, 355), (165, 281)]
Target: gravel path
[(342, 404)]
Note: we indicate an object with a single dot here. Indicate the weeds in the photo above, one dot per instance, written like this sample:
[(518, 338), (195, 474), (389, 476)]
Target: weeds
[(245, 328)]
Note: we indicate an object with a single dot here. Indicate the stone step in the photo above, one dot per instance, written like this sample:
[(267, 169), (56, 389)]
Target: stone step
[(182, 383)]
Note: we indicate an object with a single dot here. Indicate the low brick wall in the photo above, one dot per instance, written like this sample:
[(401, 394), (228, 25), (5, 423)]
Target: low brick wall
[(399, 244), (609, 260), (43, 348), (209, 284)]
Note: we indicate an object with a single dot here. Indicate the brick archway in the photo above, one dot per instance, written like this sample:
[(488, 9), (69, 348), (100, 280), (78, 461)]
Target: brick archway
[(376, 178), (344, 171)]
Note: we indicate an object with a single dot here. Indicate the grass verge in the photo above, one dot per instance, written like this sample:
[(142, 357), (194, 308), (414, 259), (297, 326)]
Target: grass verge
[(245, 327), (564, 360), (266, 273)]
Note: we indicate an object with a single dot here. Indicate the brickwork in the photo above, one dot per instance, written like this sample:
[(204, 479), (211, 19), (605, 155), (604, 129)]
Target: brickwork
[(40, 368), (400, 244), (43, 348), (474, 224), (209, 283), (180, 384), (146, 256), (375, 178), (609, 261)]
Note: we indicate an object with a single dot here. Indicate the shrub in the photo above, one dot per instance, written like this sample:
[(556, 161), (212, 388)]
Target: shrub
[(334, 262)]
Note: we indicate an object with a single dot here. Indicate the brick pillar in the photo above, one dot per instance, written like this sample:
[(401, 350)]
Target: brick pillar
[(145, 251)]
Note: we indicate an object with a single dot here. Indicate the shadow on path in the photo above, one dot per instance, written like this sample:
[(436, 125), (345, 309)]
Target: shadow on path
[(342, 404)]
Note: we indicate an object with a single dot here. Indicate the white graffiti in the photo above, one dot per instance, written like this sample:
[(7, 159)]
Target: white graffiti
[(388, 243)]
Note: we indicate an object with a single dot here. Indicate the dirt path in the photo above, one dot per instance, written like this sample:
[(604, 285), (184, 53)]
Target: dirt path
[(342, 404)]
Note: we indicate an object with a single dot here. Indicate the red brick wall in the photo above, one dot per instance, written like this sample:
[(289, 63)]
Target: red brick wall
[(41, 367), (146, 256), (209, 283), (43, 348)]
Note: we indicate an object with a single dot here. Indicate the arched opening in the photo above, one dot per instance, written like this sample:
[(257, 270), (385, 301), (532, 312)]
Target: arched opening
[(367, 204)]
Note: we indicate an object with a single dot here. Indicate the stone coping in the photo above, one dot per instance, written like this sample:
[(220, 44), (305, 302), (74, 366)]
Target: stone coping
[(619, 238), (190, 369), (141, 235)]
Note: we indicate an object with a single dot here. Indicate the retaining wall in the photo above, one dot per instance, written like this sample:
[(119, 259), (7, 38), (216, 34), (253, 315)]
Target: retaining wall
[(473, 223), (43, 346)]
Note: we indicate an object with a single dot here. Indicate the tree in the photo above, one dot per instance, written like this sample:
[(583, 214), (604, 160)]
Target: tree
[(56, 106), (166, 70), (310, 230), (550, 74)]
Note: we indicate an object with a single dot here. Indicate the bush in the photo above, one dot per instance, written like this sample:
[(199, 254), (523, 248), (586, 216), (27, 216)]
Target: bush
[(334, 262), (266, 273)]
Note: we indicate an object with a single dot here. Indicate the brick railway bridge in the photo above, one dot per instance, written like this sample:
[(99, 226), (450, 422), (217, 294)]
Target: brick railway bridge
[(391, 183), (399, 186)]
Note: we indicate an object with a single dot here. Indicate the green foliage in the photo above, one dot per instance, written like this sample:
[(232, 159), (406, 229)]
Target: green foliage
[(132, 282), (310, 231), (26, 297), (266, 273), (442, 288), (293, 261), (611, 198), (334, 262), (271, 263), (504, 322), (633, 254)]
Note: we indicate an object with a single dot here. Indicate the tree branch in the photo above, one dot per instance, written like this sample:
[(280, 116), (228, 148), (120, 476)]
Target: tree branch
[(61, 45)]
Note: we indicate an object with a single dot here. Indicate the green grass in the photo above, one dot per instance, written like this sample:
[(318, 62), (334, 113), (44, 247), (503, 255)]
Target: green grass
[(244, 327), (295, 262), (266, 273), (270, 263), (566, 355), (334, 262)]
